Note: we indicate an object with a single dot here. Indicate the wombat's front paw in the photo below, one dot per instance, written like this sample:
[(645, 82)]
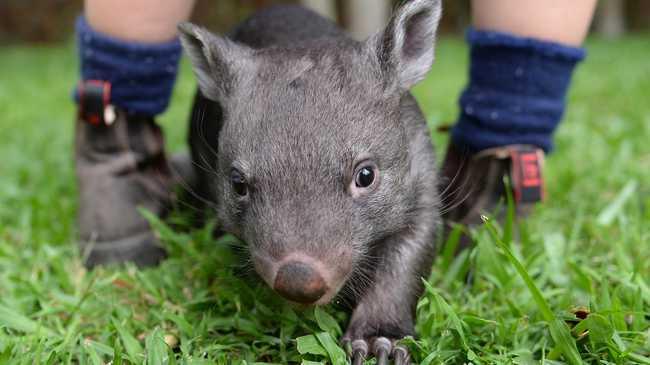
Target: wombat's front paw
[(383, 346)]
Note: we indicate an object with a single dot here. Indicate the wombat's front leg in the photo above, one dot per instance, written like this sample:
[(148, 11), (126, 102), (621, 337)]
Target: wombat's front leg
[(386, 311)]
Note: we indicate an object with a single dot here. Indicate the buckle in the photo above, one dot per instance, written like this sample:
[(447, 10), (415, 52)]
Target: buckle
[(94, 102), (526, 167), (526, 164)]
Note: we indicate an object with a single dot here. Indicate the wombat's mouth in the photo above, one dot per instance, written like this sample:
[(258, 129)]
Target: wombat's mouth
[(300, 278)]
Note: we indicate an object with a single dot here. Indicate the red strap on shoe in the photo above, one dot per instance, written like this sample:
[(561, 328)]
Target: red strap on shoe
[(526, 170), (94, 102)]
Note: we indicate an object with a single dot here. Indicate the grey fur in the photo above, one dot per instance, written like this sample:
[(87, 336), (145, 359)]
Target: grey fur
[(294, 104)]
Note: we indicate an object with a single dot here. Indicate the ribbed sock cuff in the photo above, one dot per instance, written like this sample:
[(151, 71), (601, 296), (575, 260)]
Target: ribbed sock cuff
[(141, 75), (516, 92)]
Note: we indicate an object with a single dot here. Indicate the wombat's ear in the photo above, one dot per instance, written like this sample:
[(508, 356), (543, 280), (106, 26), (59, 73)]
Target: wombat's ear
[(217, 61), (405, 49)]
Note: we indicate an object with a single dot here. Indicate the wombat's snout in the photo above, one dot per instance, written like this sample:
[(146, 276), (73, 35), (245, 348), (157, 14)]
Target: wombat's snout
[(300, 282)]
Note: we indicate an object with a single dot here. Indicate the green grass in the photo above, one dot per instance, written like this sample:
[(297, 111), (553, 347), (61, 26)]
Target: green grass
[(587, 248)]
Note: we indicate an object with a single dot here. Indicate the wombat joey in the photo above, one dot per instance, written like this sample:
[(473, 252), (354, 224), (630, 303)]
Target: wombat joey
[(316, 155)]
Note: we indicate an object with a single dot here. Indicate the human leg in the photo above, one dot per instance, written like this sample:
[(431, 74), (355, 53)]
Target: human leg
[(564, 22), (142, 21), (522, 57), (128, 56)]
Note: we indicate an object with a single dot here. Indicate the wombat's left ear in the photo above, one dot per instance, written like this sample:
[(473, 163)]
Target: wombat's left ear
[(405, 49), (217, 62)]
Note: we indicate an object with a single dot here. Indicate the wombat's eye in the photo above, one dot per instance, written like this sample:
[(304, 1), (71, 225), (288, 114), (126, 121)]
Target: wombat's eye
[(238, 183), (365, 176)]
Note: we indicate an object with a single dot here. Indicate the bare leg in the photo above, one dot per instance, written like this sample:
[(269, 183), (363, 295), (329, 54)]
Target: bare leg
[(560, 21), (523, 53), (140, 20)]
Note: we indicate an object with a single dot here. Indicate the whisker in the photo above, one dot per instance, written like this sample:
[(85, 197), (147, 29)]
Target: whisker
[(447, 208), (188, 205), (452, 194), (202, 167), (456, 175), (188, 188), (202, 135)]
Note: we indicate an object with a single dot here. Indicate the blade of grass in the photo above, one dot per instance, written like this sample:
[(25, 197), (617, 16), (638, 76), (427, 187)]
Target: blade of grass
[(93, 356), (451, 245), (559, 332), (335, 353), (309, 345), (131, 344), (508, 225), (5, 355), (607, 215), (156, 347), (326, 322), (100, 347), (457, 270), (17, 321), (453, 321)]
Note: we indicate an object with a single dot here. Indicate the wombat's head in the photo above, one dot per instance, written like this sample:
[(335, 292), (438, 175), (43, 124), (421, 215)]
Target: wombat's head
[(313, 163)]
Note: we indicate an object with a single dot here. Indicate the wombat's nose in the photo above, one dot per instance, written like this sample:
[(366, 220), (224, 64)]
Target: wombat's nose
[(299, 282)]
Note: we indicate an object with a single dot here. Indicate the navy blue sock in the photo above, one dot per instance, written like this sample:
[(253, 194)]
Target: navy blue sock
[(141, 75), (516, 91)]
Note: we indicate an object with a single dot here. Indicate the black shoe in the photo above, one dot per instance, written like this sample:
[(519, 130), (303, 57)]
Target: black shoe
[(121, 167), (473, 184)]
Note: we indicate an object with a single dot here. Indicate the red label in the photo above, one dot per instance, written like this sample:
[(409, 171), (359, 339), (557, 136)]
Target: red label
[(530, 170)]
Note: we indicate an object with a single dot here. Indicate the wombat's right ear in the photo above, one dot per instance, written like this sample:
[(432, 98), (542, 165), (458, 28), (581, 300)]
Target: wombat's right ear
[(217, 61), (405, 49)]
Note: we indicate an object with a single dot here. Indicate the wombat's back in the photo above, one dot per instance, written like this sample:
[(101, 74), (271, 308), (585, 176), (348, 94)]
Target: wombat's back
[(284, 25)]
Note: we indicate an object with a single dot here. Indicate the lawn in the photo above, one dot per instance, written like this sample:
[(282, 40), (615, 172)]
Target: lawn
[(585, 254)]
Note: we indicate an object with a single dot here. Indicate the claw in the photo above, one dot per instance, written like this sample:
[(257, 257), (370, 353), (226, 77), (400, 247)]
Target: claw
[(382, 357), (359, 351), (401, 355), (381, 348), (357, 358)]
